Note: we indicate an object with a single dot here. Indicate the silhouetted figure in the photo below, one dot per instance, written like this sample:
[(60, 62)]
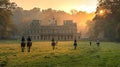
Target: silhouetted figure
[(98, 43), (53, 43), (90, 43), (29, 43), (23, 44), (75, 44)]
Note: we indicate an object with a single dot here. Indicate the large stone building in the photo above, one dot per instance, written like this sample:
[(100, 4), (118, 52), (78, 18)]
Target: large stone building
[(67, 31)]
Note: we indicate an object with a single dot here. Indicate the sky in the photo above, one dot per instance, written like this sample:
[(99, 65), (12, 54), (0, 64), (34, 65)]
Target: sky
[(66, 5)]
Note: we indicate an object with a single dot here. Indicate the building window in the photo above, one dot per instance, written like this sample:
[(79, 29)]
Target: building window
[(37, 37)]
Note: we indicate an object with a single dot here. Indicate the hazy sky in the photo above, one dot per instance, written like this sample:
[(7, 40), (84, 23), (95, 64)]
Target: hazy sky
[(66, 5)]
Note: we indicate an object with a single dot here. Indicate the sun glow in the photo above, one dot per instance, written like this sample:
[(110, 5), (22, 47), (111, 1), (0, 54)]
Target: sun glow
[(101, 11), (86, 8), (65, 5)]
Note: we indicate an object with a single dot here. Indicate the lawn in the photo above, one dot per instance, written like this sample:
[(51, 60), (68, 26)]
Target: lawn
[(42, 55)]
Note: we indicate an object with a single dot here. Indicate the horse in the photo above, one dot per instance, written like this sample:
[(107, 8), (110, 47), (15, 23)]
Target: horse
[(75, 45), (53, 45), (98, 43), (23, 46), (29, 44)]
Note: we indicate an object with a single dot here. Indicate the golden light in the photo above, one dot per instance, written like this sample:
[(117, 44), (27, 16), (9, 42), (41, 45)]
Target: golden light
[(101, 12), (85, 8)]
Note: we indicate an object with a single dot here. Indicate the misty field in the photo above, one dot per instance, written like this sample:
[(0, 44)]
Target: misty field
[(42, 55)]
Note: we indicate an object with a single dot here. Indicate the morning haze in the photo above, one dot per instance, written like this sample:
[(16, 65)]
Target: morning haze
[(82, 10), (65, 5), (59, 33)]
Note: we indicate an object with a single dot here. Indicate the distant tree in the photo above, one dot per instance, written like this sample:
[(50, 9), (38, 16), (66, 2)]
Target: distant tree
[(5, 21), (90, 30), (118, 32), (73, 11)]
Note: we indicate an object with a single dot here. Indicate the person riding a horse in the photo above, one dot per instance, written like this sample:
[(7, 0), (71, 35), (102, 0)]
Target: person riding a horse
[(75, 44), (23, 43), (53, 43), (29, 43), (98, 43)]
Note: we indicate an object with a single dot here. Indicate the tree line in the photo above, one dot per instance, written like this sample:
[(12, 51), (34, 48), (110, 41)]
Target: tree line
[(6, 25)]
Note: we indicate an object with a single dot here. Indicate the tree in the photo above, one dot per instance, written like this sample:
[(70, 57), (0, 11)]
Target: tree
[(118, 32), (107, 19), (5, 17), (73, 11)]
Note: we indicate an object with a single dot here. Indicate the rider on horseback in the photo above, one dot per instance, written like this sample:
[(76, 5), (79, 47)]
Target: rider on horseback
[(22, 43), (29, 43)]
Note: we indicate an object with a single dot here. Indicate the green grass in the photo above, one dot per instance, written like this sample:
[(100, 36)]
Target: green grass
[(42, 55)]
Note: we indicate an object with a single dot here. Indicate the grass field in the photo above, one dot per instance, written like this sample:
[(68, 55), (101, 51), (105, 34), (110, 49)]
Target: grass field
[(42, 55)]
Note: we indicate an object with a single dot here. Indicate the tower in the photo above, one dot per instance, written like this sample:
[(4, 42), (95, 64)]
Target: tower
[(53, 21)]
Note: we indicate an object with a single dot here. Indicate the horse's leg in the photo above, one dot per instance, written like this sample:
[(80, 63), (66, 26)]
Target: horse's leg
[(22, 48), (74, 47), (98, 45), (53, 47), (28, 48)]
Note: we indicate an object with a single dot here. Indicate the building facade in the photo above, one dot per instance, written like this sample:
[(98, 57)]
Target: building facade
[(67, 31)]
